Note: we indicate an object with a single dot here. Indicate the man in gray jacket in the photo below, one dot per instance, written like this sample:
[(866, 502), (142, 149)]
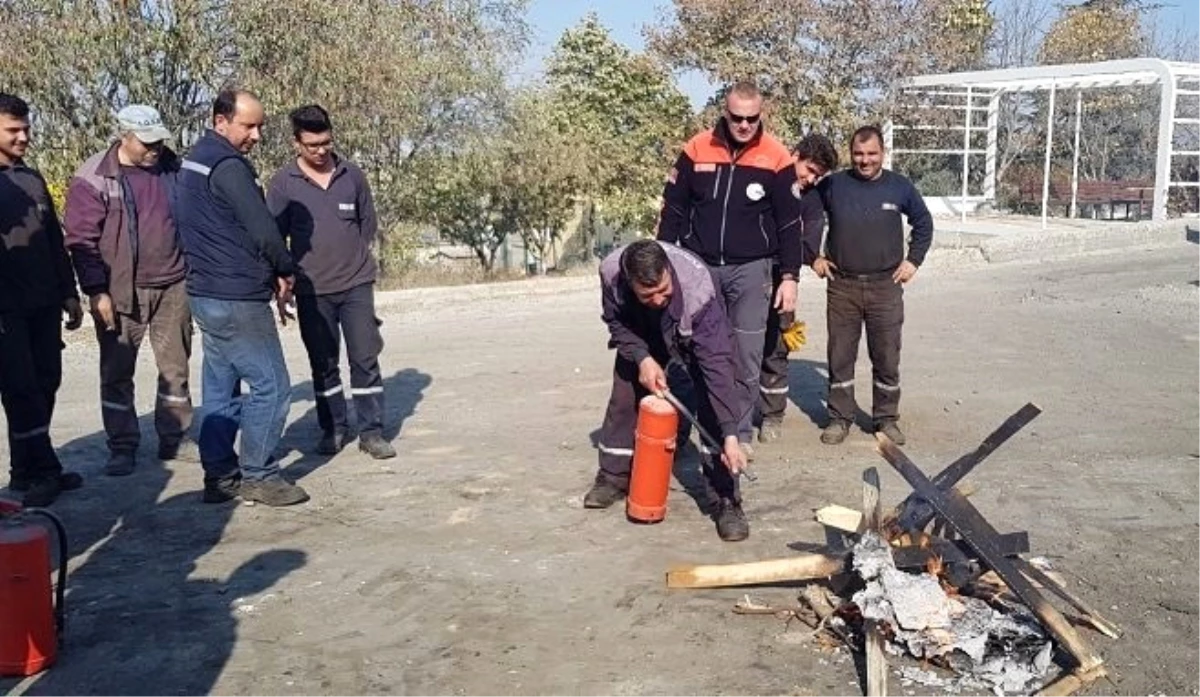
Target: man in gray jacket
[(126, 254), (661, 304)]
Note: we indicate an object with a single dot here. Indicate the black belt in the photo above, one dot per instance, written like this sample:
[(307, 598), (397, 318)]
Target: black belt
[(877, 276)]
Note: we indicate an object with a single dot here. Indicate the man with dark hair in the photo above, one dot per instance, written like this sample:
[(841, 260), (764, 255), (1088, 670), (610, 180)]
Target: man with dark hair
[(661, 305), (867, 267), (122, 239), (236, 263), (730, 199), (37, 286), (324, 209), (814, 157)]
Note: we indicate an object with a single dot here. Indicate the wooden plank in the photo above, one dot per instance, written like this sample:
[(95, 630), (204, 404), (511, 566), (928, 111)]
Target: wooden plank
[(956, 551), (810, 567), (840, 518), (1073, 682), (977, 532), (877, 669), (803, 567), (1090, 614), (913, 513)]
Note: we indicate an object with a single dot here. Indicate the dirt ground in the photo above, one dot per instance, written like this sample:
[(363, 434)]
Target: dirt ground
[(467, 565)]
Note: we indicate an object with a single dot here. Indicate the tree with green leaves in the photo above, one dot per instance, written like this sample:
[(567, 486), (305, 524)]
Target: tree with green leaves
[(825, 65), (625, 117)]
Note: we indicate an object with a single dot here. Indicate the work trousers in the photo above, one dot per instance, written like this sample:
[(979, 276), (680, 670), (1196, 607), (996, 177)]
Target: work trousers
[(30, 373), (324, 320), (163, 313), (877, 302), (241, 345), (746, 292), (617, 434), (773, 382)]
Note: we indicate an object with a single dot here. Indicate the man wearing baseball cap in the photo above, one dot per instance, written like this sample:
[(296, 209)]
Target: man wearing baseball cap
[(121, 236)]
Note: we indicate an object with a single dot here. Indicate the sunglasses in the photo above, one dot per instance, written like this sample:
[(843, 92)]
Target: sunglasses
[(734, 118)]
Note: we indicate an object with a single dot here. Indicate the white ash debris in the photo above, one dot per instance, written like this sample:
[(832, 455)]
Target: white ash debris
[(1006, 652)]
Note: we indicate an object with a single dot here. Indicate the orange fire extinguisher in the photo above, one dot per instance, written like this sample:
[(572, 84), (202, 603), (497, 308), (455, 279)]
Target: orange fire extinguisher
[(653, 455), (31, 619)]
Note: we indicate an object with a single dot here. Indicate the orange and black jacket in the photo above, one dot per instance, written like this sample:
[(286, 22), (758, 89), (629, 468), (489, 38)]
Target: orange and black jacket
[(732, 206)]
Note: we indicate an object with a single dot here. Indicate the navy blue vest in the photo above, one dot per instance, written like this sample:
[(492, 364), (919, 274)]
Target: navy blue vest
[(222, 260)]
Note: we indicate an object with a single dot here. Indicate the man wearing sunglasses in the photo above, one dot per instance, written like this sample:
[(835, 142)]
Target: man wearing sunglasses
[(121, 235), (734, 200)]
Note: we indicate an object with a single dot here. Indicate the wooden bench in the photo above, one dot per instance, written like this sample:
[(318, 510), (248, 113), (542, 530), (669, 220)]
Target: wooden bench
[(1092, 197)]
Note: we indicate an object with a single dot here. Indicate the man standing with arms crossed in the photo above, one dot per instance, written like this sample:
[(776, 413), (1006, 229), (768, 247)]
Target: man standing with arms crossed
[(815, 157), (730, 199), (126, 254), (37, 286), (325, 211), (236, 263), (867, 268)]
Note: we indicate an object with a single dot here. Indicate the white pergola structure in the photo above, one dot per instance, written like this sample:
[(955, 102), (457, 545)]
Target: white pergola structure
[(980, 91)]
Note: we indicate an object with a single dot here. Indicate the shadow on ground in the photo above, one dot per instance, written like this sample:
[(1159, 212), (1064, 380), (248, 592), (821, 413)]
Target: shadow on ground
[(137, 620), (403, 391)]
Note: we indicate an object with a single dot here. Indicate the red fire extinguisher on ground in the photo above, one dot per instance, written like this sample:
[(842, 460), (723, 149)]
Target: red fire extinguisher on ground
[(653, 455), (31, 618)]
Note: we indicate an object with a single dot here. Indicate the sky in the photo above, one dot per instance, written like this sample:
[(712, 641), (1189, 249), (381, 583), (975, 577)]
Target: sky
[(626, 18)]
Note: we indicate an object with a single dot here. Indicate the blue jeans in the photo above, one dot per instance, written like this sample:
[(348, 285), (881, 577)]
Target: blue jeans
[(241, 344)]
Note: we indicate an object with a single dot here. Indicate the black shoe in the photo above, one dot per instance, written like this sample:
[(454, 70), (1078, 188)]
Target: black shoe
[(120, 464), (835, 432), (890, 429), (273, 491), (376, 447), (731, 522), (331, 443), (186, 450), (770, 431), (603, 494), (67, 481), (223, 489), (42, 492)]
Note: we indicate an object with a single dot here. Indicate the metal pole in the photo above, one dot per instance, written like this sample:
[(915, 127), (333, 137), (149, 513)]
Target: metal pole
[(1075, 157), (1049, 143), (1166, 134), (966, 165), (993, 123), (887, 144)]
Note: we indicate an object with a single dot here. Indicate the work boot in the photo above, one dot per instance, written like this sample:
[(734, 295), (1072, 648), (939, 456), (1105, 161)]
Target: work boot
[(603, 493), (273, 491), (186, 450), (220, 490), (120, 464), (890, 429), (731, 522), (42, 492), (376, 447), (67, 481), (332, 442), (835, 432), (770, 431)]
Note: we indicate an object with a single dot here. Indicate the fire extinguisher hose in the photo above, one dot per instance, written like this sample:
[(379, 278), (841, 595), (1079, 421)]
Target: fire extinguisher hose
[(60, 588)]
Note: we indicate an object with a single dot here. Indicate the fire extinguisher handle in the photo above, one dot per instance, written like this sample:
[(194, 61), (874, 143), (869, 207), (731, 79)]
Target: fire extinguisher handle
[(60, 588)]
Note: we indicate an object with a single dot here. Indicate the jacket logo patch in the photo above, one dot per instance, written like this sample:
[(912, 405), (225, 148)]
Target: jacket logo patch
[(890, 207), (755, 191), (706, 167), (796, 190), (345, 206)]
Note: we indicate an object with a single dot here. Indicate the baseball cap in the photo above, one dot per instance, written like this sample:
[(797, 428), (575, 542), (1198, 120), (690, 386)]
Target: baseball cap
[(144, 122)]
